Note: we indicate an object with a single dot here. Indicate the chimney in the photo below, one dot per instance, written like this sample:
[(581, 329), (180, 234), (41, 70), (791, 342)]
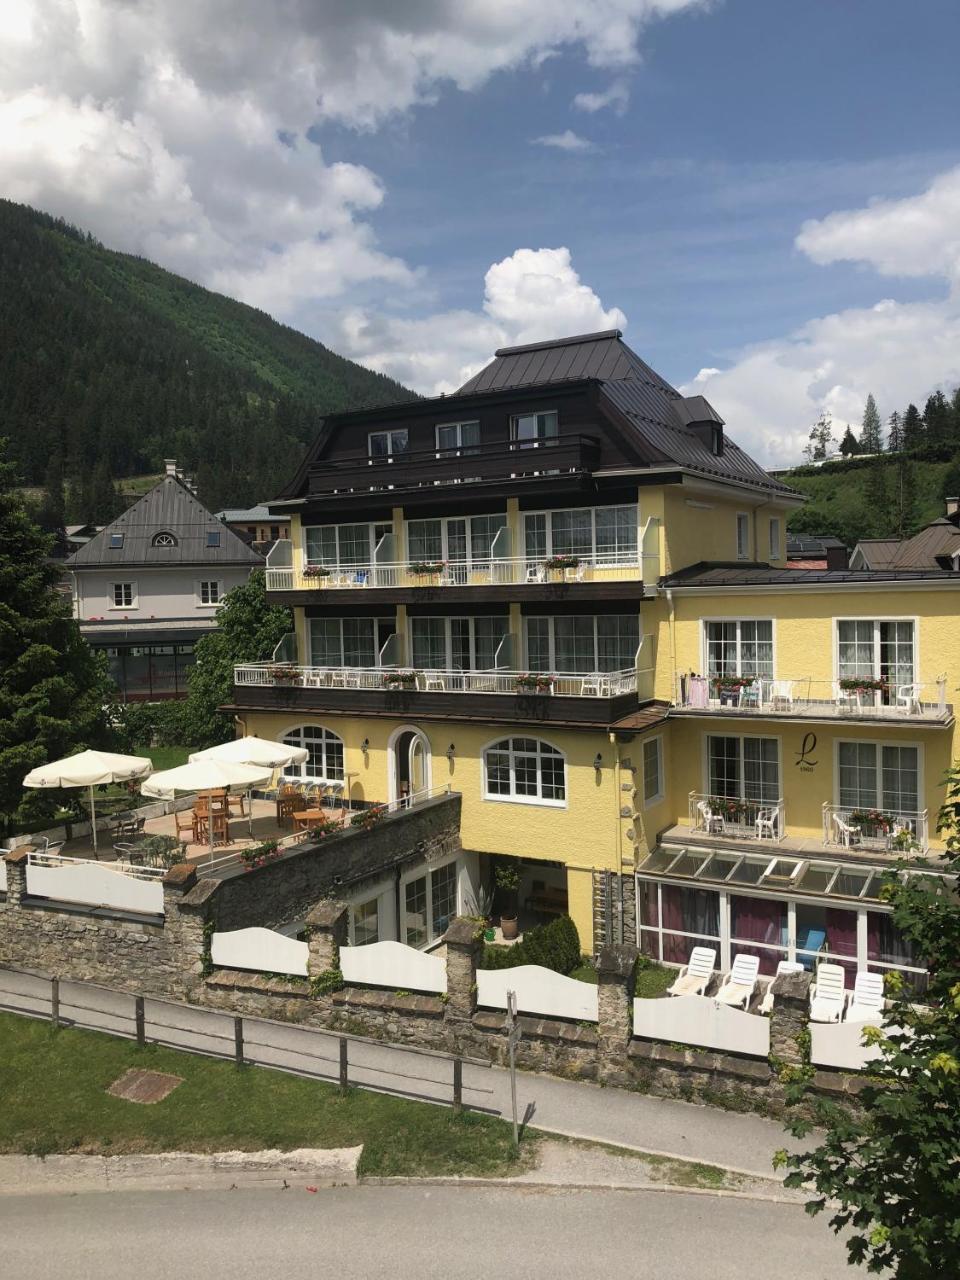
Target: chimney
[(170, 466), (838, 558), (953, 508)]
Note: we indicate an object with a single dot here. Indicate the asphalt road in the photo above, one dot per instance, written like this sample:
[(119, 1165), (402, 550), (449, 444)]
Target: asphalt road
[(363, 1233)]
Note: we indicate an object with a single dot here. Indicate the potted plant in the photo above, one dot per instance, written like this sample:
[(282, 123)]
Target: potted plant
[(427, 568), (283, 675), (507, 876), (316, 571), (875, 820), (400, 679), (562, 562), (862, 684), (325, 827), (535, 682), (368, 817), (259, 854)]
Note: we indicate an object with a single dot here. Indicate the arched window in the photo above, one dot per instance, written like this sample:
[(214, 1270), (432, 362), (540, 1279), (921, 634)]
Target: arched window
[(325, 761), (164, 540), (525, 770)]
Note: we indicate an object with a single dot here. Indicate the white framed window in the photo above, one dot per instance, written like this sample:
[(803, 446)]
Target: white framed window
[(430, 900), (164, 539), (387, 445), (525, 770), (743, 536), (607, 535), (738, 647), (324, 763), (743, 768), (344, 545), (209, 591), (878, 649), (653, 790), (466, 540), (580, 644), (124, 595), (116, 542), (365, 923), (457, 644), (348, 642), (878, 775), (454, 438), (213, 537), (533, 430), (775, 538)]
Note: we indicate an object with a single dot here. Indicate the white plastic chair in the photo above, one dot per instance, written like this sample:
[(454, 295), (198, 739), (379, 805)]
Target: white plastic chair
[(595, 686), (865, 1004), (575, 574), (751, 695), (827, 994), (712, 822), (766, 824), (845, 832), (741, 982), (536, 573), (351, 677), (781, 693), (695, 976), (433, 681), (908, 699)]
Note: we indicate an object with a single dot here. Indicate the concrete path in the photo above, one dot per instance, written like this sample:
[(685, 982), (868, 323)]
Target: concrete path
[(426, 1233), (744, 1143)]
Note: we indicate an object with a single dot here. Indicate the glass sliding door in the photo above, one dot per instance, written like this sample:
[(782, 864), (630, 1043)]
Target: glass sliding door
[(739, 648), (582, 644), (877, 650), (878, 776)]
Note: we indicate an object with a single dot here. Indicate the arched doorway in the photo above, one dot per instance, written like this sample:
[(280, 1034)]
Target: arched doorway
[(409, 762)]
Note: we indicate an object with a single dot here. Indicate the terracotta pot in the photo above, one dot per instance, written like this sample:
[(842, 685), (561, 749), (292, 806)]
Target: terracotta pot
[(508, 926)]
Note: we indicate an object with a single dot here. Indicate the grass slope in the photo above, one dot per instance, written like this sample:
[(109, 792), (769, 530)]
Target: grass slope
[(54, 1100)]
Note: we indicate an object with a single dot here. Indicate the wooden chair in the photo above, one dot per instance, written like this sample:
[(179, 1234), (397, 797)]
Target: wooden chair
[(186, 824), (235, 799)]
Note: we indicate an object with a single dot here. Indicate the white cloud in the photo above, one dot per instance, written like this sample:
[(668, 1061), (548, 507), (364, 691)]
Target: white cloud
[(616, 97), (899, 351), (566, 141), (533, 295)]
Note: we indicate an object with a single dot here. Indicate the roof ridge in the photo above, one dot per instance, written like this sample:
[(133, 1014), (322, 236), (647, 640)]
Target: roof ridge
[(601, 335)]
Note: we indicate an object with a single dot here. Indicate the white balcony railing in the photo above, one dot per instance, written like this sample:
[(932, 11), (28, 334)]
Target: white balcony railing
[(807, 697), (761, 820), (606, 684), (875, 830)]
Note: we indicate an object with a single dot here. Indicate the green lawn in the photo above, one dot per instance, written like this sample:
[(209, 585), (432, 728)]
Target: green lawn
[(585, 972), (652, 981), (165, 757), (54, 1100)]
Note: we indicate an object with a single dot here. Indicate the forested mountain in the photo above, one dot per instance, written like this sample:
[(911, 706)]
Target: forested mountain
[(108, 364)]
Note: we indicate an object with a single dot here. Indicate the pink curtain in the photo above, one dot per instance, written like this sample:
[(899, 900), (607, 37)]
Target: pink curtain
[(758, 921)]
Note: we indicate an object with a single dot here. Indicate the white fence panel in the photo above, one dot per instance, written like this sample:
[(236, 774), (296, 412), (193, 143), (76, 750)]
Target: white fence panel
[(702, 1021), (95, 886), (539, 991), (392, 964), (259, 949), (839, 1044)]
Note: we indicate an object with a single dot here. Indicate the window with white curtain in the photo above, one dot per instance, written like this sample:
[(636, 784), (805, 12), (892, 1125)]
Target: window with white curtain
[(874, 775), (344, 642), (743, 536), (524, 770), (739, 647), (743, 768), (457, 644), (877, 649), (343, 544), (461, 539), (580, 644), (324, 762), (606, 534)]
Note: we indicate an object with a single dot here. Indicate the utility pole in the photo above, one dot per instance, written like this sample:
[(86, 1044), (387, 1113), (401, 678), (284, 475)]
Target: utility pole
[(513, 1039)]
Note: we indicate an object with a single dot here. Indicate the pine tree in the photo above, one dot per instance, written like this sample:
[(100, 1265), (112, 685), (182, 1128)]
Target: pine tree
[(52, 685), (906, 499), (950, 488), (912, 428), (877, 500), (105, 503), (849, 445), (937, 419), (895, 433), (871, 432), (51, 515)]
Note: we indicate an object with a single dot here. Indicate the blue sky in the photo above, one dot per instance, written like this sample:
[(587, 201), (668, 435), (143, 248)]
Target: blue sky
[(358, 173)]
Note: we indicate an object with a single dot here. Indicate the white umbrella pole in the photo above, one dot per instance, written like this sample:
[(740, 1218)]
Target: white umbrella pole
[(93, 823), (250, 810)]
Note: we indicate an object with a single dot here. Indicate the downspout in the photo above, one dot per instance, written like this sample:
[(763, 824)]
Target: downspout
[(672, 619)]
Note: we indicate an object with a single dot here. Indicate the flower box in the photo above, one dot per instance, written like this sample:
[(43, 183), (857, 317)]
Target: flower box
[(316, 571), (427, 568), (863, 684), (284, 675), (731, 684), (562, 562), (400, 679), (537, 683), (872, 819), (260, 854), (368, 817)]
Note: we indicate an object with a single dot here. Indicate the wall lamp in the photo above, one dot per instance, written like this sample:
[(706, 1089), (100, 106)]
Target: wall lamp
[(598, 763), (365, 746), (451, 752)]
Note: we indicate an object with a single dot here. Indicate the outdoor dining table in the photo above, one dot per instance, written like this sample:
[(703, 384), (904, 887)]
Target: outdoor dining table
[(305, 818)]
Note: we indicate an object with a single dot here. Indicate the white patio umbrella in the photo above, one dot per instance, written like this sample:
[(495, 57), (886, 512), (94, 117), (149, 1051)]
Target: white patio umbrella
[(254, 751), (89, 769), (205, 775)]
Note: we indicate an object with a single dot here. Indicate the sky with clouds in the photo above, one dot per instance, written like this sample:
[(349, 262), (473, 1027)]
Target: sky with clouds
[(764, 196)]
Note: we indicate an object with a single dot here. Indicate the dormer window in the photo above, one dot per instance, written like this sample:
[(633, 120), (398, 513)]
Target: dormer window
[(386, 445), (164, 540), (534, 430), (116, 542), (716, 441)]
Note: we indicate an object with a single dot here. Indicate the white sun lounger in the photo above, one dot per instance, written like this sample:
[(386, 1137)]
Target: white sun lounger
[(693, 977)]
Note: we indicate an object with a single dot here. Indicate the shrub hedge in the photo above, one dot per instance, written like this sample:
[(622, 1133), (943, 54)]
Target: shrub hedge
[(555, 945)]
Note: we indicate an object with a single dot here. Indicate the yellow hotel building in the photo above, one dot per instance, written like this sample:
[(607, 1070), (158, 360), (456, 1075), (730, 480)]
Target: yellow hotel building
[(562, 592)]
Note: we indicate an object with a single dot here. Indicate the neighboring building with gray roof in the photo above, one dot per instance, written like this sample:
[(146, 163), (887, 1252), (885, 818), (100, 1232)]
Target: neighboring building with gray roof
[(148, 586), (935, 547), (255, 525)]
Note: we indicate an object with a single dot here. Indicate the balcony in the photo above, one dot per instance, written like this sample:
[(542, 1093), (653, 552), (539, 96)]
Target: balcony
[(867, 830), (808, 699), (735, 819), (430, 468), (581, 697)]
